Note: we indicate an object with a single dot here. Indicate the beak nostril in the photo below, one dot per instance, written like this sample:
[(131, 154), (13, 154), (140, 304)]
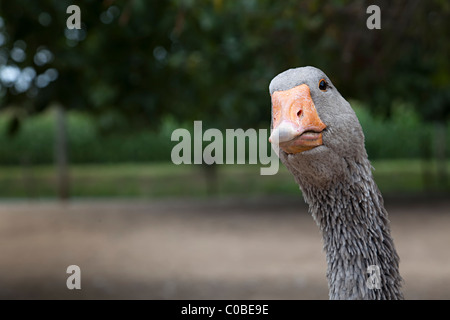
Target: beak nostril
[(299, 113)]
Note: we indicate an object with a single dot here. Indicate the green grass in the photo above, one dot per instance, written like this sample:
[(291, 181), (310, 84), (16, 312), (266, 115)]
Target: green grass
[(161, 180)]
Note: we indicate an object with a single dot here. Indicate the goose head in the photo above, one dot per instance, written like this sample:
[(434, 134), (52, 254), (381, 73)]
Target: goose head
[(314, 129)]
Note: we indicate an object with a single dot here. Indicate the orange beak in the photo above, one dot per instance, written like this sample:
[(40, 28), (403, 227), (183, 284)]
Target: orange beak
[(296, 124)]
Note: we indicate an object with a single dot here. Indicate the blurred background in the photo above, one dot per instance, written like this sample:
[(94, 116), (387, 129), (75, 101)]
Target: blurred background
[(86, 117)]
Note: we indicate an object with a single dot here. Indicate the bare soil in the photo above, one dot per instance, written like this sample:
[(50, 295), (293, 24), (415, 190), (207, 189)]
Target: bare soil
[(210, 249)]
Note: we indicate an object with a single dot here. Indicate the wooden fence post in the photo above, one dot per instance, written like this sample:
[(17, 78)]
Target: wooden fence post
[(61, 157)]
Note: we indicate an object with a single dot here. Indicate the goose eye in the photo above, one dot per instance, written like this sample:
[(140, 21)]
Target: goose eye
[(323, 85)]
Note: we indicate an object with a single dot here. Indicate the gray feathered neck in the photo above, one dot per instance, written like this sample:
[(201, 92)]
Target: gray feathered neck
[(350, 213)]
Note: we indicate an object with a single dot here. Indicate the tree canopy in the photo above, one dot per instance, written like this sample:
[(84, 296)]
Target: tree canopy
[(133, 63)]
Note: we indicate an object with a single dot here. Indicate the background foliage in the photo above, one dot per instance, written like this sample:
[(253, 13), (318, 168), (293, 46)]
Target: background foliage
[(34, 143), (141, 60), (138, 69)]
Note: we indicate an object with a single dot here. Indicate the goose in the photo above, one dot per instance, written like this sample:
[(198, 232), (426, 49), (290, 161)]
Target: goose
[(319, 139)]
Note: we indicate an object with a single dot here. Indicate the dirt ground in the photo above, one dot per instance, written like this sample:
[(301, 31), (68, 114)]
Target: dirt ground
[(210, 249)]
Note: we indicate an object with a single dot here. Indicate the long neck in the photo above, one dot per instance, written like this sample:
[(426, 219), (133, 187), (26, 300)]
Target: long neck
[(362, 260)]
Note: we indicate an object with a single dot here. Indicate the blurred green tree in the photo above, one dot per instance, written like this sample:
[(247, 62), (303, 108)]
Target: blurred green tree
[(212, 60), (135, 63)]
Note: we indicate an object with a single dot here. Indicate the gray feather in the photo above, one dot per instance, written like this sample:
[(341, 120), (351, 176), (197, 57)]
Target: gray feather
[(336, 181)]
